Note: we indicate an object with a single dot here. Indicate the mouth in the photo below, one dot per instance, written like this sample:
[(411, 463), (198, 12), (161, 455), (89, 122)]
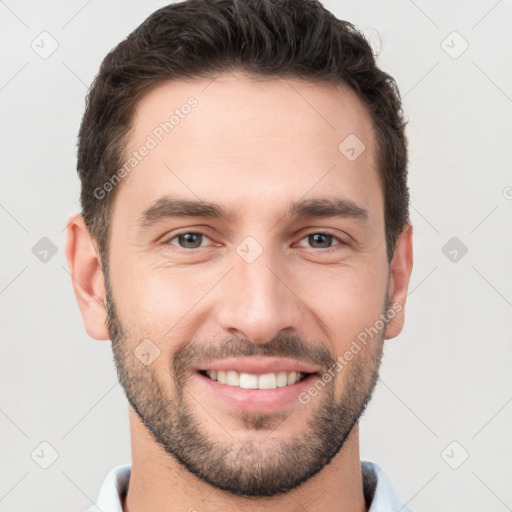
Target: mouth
[(244, 380), (256, 384)]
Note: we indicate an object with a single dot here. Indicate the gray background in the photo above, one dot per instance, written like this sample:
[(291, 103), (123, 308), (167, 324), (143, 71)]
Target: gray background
[(446, 382)]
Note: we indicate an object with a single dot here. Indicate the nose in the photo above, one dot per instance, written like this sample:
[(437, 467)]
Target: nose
[(258, 300)]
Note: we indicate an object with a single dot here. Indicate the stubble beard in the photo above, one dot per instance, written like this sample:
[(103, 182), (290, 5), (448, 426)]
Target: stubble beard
[(264, 465)]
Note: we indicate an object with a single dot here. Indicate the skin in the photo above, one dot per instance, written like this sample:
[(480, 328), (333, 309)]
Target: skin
[(254, 158)]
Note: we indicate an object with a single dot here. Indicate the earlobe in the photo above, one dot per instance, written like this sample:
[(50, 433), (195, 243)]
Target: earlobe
[(87, 277), (400, 274)]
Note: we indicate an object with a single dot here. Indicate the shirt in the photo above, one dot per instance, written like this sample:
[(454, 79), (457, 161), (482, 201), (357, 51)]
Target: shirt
[(378, 492)]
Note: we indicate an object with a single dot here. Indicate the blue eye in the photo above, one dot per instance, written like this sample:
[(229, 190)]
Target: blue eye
[(321, 240), (189, 240), (195, 240)]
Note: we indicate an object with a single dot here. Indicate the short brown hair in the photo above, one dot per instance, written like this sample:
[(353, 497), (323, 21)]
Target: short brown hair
[(267, 38)]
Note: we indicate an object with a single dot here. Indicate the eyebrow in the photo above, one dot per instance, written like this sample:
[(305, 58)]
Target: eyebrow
[(169, 207)]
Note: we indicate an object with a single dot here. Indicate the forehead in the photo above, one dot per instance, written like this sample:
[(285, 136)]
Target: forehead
[(238, 140)]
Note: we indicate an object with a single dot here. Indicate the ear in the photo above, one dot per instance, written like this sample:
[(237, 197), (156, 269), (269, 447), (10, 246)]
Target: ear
[(400, 274), (87, 277)]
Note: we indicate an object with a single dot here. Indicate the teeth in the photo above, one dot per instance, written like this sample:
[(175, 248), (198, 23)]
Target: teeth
[(267, 381), (293, 377), (281, 379), (232, 378), (247, 381), (251, 381)]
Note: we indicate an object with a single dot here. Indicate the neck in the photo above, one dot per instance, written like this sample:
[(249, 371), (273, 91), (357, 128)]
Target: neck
[(159, 482)]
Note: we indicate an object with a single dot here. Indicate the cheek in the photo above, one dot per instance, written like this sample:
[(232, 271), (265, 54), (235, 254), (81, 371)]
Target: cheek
[(348, 301), (159, 303), (156, 302)]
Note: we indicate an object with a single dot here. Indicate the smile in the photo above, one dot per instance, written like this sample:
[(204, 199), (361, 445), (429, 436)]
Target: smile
[(253, 381)]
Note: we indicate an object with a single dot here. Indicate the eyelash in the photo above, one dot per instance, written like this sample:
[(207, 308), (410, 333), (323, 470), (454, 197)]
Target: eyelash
[(340, 243)]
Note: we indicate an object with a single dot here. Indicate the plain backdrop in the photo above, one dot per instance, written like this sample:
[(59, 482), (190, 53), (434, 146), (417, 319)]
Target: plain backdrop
[(439, 422)]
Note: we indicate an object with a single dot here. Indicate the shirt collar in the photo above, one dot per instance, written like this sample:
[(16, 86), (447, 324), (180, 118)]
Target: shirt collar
[(378, 491)]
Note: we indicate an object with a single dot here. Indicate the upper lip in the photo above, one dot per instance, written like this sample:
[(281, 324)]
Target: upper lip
[(259, 365)]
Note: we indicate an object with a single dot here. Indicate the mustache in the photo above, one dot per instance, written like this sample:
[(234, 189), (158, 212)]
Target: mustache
[(197, 353)]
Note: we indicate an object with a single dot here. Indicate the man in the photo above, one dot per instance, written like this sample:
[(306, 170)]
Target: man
[(245, 243)]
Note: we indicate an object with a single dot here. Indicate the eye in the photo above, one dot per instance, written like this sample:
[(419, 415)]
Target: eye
[(194, 240), (321, 240), (189, 240)]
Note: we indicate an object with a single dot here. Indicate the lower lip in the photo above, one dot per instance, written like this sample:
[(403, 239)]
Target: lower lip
[(257, 400)]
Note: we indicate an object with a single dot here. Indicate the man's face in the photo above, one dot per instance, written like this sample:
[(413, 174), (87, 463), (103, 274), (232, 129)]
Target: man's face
[(263, 290)]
